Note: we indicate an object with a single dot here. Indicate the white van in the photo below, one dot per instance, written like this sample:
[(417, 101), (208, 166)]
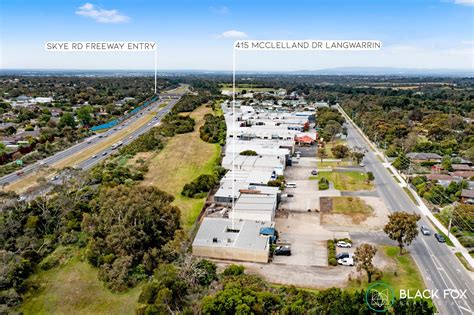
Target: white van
[(290, 185)]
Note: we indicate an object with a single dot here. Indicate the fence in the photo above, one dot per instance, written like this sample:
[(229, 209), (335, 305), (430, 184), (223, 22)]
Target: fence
[(118, 120)]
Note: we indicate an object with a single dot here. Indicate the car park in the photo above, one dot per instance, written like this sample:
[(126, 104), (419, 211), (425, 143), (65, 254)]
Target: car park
[(346, 261), (440, 238), (424, 230), (344, 244), (283, 250)]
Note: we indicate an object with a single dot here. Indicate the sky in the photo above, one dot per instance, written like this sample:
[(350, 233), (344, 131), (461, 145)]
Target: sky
[(199, 34)]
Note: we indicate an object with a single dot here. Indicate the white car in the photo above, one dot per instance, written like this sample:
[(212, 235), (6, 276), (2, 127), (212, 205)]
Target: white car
[(348, 261), (290, 185), (344, 244)]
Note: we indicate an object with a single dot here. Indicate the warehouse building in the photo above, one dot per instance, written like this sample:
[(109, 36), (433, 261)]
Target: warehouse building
[(258, 207), (220, 239), (227, 192)]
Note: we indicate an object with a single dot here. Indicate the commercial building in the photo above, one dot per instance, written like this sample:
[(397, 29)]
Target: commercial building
[(220, 239), (228, 192), (258, 207)]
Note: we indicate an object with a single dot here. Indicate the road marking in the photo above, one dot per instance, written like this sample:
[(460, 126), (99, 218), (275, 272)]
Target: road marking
[(437, 262)]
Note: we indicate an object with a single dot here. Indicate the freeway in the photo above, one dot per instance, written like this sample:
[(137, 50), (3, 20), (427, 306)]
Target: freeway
[(96, 140), (439, 267)]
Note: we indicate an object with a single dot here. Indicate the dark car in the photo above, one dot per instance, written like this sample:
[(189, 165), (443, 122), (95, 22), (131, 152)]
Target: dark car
[(440, 238), (284, 250), (342, 255), (314, 172), (425, 230)]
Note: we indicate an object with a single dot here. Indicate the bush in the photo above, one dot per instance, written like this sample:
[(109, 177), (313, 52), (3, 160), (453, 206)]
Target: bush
[(323, 184), (331, 247), (233, 270), (340, 151), (202, 184), (248, 153)]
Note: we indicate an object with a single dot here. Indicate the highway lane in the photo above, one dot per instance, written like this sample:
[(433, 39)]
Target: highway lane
[(95, 139), (439, 267)]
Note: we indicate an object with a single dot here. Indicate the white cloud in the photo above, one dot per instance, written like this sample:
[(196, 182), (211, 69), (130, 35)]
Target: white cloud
[(233, 34), (467, 42), (464, 2), (100, 15), (219, 9)]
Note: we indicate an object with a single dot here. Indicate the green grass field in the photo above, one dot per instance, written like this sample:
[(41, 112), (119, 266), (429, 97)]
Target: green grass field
[(332, 164), (183, 159), (349, 181), (402, 273), (73, 288)]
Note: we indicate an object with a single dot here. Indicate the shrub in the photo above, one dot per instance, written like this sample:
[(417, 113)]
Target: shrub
[(331, 247), (332, 261), (233, 270), (202, 184), (248, 153), (323, 184)]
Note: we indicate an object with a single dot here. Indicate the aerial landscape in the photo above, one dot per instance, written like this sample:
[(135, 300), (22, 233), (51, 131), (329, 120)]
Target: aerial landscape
[(237, 157)]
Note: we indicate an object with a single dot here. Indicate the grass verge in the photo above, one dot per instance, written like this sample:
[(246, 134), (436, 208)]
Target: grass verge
[(448, 241), (464, 261), (408, 192)]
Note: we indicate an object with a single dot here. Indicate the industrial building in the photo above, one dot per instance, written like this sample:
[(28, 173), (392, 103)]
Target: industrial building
[(219, 238)]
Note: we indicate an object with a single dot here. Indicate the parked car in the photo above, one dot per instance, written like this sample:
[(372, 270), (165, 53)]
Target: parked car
[(289, 195), (343, 255), (290, 185), (344, 244), (20, 173), (314, 172), (283, 250), (346, 261), (440, 238), (361, 164), (424, 230)]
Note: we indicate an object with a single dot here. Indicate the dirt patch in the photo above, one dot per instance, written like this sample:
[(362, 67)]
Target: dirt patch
[(358, 220), (325, 204)]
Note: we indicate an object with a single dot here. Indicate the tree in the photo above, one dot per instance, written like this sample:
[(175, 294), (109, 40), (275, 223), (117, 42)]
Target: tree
[(67, 119), (358, 156), (370, 177), (340, 151), (128, 232), (446, 164), (402, 162), (322, 154), (363, 256), (402, 228), (84, 114)]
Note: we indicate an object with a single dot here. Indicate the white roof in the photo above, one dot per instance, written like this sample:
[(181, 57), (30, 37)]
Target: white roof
[(228, 190), (245, 234)]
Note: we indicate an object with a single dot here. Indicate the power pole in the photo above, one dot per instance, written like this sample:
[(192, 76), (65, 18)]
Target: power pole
[(450, 221)]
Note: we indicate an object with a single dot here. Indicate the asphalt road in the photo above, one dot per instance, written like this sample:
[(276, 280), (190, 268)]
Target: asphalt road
[(91, 161), (439, 267)]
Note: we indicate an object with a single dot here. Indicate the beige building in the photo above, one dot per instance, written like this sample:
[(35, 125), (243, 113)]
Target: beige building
[(218, 239)]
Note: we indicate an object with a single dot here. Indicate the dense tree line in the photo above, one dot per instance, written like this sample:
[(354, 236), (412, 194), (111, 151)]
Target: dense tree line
[(193, 287), (214, 129), (127, 231)]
